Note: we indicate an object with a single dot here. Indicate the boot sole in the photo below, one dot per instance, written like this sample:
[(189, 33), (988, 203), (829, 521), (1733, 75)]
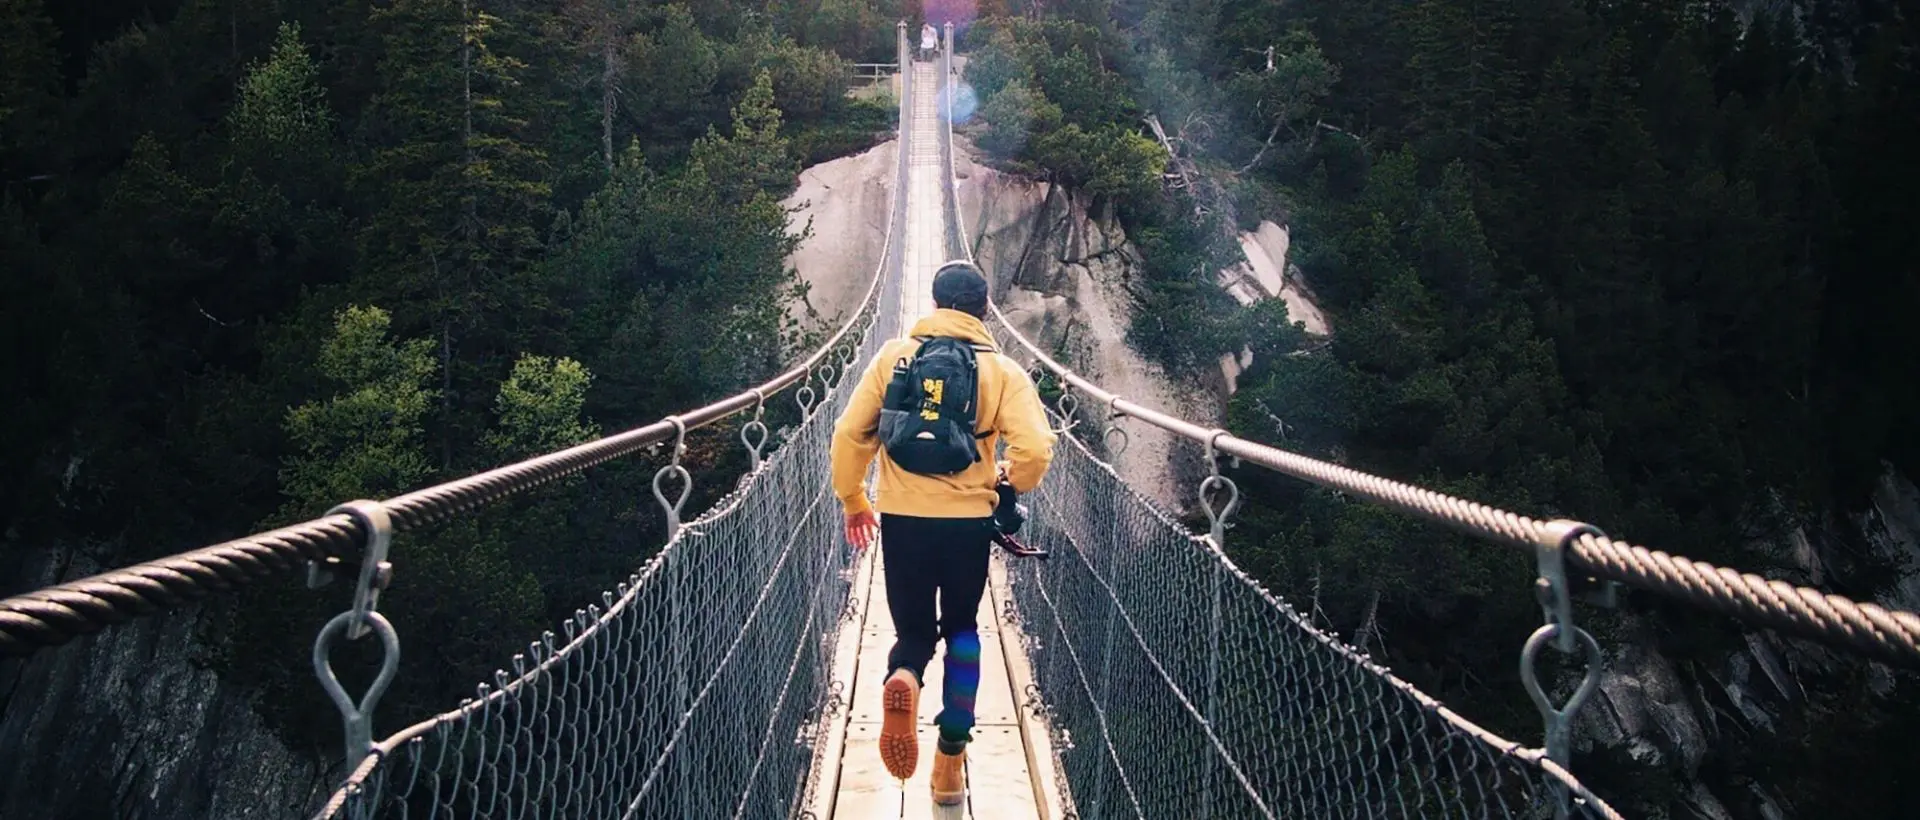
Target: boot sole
[(899, 746)]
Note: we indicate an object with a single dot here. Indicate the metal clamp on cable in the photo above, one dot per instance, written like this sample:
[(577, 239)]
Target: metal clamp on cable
[(364, 617), (673, 508), (1556, 591), (321, 573), (376, 573)]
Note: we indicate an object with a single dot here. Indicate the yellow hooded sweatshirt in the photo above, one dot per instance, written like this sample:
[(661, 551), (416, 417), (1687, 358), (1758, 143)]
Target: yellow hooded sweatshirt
[(1008, 409)]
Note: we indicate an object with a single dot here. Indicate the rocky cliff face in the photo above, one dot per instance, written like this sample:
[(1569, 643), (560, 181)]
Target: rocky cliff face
[(1679, 715), (125, 724), (843, 203), (1062, 275)]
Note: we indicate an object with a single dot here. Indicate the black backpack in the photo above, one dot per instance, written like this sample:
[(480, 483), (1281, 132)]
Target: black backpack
[(927, 418)]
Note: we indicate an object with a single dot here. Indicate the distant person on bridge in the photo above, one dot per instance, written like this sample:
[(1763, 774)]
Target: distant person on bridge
[(935, 407), (929, 41)]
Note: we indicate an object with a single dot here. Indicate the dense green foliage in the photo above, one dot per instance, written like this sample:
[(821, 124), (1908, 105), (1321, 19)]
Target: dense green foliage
[(264, 258), (1645, 264)]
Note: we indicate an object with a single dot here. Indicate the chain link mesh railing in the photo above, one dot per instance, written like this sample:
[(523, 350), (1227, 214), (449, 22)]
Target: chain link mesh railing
[(692, 691), (1175, 686)]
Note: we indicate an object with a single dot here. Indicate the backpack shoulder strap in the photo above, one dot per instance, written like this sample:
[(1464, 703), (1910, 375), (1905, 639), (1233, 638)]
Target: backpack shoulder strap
[(977, 347)]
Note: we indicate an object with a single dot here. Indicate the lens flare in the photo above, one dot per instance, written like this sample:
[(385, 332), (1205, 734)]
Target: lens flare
[(964, 103), (958, 12)]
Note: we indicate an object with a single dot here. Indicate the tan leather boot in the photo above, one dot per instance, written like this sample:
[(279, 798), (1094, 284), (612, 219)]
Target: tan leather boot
[(949, 777), (900, 709)]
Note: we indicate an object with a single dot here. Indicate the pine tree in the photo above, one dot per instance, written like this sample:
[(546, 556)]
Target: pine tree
[(754, 160), (29, 90), (603, 28), (464, 194)]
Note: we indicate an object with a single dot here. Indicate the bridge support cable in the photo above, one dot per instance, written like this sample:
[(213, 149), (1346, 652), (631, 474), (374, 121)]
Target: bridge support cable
[(1241, 706)]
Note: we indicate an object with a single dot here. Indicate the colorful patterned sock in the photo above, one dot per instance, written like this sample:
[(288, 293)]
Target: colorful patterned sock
[(962, 685)]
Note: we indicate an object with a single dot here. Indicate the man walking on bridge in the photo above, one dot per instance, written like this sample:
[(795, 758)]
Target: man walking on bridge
[(935, 407)]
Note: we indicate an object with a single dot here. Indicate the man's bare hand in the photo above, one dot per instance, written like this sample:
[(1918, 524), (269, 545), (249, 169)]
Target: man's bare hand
[(862, 527)]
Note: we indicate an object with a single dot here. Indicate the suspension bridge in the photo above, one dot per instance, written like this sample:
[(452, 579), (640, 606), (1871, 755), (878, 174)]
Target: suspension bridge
[(1136, 673)]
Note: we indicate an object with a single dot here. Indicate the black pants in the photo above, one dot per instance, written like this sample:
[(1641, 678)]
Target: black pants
[(943, 558)]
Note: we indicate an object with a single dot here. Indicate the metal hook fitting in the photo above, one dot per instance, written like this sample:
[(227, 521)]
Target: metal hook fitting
[(1217, 522), (753, 447), (1213, 452), (673, 507), (1559, 722), (1108, 435), (356, 718), (1068, 407), (375, 572), (1553, 587), (806, 399), (679, 438)]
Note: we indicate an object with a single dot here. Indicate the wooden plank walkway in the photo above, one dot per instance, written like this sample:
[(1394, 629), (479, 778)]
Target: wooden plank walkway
[(1010, 765), (1010, 772)]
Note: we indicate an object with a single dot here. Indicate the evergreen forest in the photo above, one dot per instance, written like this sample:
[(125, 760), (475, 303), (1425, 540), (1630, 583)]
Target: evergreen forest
[(1651, 265)]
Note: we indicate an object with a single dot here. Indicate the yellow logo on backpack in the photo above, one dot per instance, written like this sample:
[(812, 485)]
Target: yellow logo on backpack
[(931, 390)]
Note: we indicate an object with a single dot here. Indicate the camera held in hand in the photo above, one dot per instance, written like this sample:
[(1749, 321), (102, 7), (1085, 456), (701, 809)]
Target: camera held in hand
[(1008, 515)]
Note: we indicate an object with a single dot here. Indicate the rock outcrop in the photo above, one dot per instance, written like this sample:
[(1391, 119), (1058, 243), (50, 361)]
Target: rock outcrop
[(844, 204), (1674, 715), (126, 724), (1062, 275)]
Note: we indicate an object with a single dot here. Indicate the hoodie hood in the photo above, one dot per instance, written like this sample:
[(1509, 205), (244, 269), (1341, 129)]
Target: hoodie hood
[(955, 324)]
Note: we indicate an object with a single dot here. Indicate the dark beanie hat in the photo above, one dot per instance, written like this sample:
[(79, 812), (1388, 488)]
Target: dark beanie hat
[(958, 285)]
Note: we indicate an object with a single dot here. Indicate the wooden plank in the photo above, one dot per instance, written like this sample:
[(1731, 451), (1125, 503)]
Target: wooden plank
[(998, 783), (866, 790), (846, 657), (1051, 803), (998, 778)]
